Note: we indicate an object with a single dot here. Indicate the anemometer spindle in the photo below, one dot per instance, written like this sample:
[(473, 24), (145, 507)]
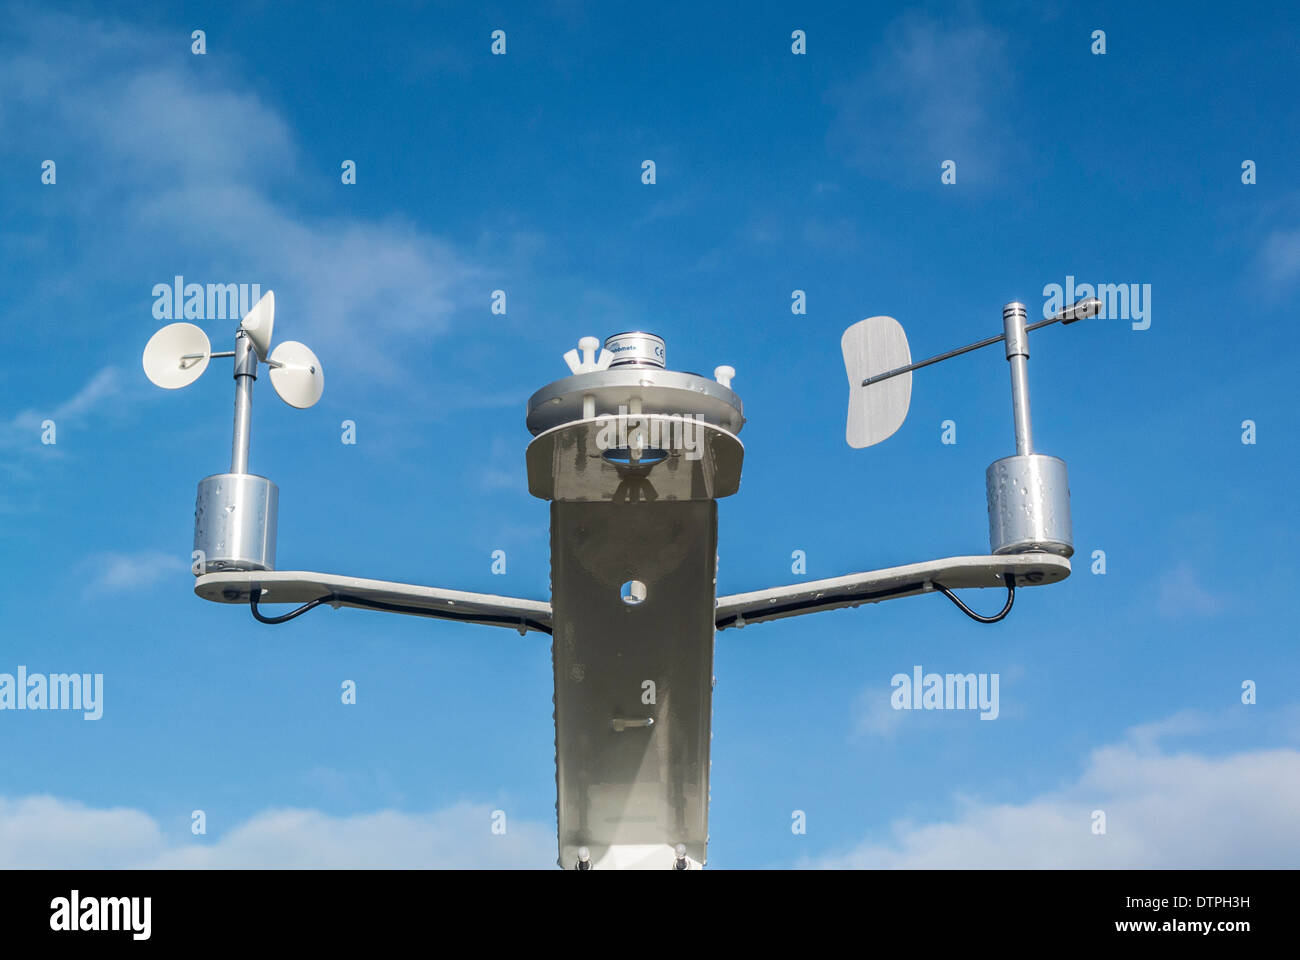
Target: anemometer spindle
[(235, 513)]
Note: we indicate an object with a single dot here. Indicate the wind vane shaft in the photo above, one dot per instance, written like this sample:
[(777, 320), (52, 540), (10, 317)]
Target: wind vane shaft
[(1084, 308)]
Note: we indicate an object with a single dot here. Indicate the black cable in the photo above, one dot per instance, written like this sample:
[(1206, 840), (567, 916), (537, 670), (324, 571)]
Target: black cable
[(821, 603), (1011, 598), (351, 601), (488, 618), (257, 614), (542, 628)]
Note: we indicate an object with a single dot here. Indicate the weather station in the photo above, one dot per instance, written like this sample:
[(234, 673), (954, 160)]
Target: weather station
[(633, 458)]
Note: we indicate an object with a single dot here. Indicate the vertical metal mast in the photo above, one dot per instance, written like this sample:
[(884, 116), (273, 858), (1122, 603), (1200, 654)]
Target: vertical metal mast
[(633, 458)]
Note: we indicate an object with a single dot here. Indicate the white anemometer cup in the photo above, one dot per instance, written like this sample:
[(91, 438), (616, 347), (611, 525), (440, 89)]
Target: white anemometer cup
[(177, 355), (235, 513), (259, 323)]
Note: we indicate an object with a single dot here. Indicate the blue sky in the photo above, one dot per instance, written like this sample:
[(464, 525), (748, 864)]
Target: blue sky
[(774, 172)]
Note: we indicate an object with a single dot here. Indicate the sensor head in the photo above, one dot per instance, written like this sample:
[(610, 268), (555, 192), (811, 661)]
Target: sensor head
[(637, 349)]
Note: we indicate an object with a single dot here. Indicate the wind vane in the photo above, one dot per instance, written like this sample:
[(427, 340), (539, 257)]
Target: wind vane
[(633, 458)]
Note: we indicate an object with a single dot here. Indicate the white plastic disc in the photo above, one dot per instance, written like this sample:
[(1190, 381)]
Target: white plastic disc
[(177, 355), (298, 379), (259, 322)]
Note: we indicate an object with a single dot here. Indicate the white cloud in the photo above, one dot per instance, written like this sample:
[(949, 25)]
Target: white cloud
[(497, 478), (103, 385), (97, 396), (194, 163), (119, 572), (1281, 256), (874, 714), (1181, 594), (363, 292), (100, 388), (1147, 736), (503, 469), (41, 831), (46, 832), (1164, 809), (935, 94)]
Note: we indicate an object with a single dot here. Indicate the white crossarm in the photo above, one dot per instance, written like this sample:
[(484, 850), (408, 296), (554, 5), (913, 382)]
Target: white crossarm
[(299, 586), (955, 573)]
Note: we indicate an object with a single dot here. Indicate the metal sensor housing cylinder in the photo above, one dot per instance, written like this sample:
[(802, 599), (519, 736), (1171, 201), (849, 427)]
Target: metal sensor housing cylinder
[(1029, 505), (234, 522), (637, 349)]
